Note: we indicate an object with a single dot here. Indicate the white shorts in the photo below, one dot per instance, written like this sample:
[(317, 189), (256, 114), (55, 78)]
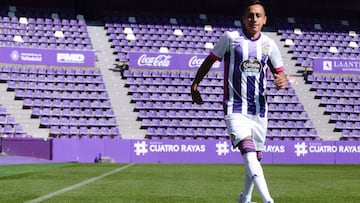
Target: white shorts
[(240, 126)]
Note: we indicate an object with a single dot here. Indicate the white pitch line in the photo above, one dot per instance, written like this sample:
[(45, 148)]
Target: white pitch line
[(72, 187)]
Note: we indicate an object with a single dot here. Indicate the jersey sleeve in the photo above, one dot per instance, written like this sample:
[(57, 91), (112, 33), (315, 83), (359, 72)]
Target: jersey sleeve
[(275, 58), (221, 47)]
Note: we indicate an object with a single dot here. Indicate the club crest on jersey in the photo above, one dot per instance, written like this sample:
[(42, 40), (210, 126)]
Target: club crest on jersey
[(252, 66)]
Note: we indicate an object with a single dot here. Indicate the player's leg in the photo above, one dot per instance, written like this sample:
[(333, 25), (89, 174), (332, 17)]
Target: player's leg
[(249, 184), (240, 128), (248, 188), (254, 169)]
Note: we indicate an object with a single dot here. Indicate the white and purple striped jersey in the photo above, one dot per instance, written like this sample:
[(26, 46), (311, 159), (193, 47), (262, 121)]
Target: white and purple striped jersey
[(246, 67)]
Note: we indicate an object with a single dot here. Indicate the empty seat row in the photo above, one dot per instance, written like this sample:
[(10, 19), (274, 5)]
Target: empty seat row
[(347, 108), (157, 105), (83, 131), (183, 122), (50, 70), (180, 114), (56, 86), (337, 93), (336, 102), (290, 124), (343, 116), (332, 78), (82, 111), (351, 134), (335, 85), (211, 114), (50, 78), (186, 133), (165, 74), (292, 134), (47, 121), (57, 94), (12, 130)]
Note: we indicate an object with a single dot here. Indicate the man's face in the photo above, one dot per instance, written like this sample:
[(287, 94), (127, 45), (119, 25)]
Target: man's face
[(253, 20)]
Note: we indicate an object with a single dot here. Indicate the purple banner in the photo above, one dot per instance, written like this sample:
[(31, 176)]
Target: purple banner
[(204, 151), (342, 66), (47, 56), (87, 150), (279, 152), (181, 151), (168, 61), (31, 147)]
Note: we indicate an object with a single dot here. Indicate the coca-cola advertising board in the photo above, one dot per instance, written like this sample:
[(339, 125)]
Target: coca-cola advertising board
[(168, 60)]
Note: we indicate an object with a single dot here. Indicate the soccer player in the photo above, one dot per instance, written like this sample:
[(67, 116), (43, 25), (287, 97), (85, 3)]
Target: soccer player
[(249, 57)]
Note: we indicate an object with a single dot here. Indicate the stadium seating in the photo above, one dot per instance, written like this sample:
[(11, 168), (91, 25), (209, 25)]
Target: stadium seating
[(163, 101), (69, 101), (307, 39), (9, 127), (174, 34), (310, 38), (162, 97), (73, 101), (340, 96), (40, 28)]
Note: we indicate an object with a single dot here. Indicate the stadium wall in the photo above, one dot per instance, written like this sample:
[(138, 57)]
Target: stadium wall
[(181, 151)]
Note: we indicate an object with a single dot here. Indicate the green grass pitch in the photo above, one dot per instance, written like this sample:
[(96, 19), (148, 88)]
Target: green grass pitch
[(156, 183)]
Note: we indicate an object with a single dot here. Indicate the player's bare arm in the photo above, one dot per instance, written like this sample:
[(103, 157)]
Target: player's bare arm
[(202, 71), (280, 80)]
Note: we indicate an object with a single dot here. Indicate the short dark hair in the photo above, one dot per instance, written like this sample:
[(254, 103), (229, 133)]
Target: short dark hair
[(248, 3)]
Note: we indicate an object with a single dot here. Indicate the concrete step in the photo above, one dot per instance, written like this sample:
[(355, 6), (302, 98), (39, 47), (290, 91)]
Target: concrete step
[(22, 116), (121, 102)]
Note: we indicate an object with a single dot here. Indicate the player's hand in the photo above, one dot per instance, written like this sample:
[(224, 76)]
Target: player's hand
[(195, 94), (280, 80)]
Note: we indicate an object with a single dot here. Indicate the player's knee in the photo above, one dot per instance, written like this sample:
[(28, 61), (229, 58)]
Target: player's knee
[(246, 146)]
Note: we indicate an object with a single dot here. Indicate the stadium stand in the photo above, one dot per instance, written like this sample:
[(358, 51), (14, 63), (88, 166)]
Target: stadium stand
[(307, 39), (162, 96), (74, 102), (41, 28), (69, 101), (340, 95), (310, 38), (165, 33), (162, 99)]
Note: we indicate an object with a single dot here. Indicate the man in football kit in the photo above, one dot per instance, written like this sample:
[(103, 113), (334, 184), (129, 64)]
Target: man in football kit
[(249, 57)]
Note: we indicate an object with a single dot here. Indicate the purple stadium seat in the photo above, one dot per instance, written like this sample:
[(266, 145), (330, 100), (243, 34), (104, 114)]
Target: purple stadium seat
[(54, 130), (64, 130), (356, 133)]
